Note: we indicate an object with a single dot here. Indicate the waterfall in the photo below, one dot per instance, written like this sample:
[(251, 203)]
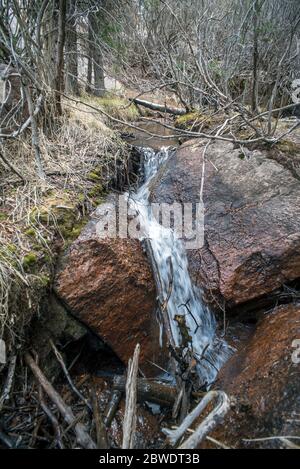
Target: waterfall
[(191, 324)]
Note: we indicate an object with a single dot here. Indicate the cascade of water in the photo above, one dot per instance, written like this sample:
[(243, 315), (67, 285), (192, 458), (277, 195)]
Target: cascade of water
[(191, 323)]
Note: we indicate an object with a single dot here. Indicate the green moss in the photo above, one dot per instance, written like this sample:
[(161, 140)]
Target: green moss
[(44, 280), (94, 176), (192, 119), (29, 260), (96, 190), (12, 248), (30, 232), (115, 106), (3, 216)]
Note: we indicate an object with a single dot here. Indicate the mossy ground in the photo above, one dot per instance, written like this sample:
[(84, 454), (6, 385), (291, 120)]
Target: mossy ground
[(40, 219), (197, 120), (115, 106)]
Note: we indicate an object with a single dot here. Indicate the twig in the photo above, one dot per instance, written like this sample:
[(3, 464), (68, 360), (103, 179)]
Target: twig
[(67, 374), (82, 435), (53, 421), (102, 442)]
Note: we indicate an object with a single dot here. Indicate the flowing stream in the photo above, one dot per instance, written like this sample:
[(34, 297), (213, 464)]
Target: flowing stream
[(191, 326)]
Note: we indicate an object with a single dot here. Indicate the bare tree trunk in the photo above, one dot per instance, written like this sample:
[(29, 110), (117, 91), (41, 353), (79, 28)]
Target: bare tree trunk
[(34, 135), (71, 79), (99, 88), (60, 55), (254, 97), (88, 87)]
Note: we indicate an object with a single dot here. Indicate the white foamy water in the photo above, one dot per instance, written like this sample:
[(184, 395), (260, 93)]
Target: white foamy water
[(183, 304)]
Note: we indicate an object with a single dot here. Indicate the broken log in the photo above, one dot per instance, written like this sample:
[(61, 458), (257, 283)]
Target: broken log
[(129, 424), (82, 435), (159, 393), (159, 107)]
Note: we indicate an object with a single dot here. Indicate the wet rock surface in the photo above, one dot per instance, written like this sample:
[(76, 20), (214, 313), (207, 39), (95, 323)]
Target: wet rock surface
[(252, 219), (108, 285), (262, 379)]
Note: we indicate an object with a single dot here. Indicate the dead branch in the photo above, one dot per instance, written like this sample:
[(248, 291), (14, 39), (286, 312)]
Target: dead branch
[(152, 391), (82, 436), (9, 380), (102, 442), (158, 107), (53, 421), (112, 407), (69, 379), (215, 416), (12, 167), (129, 424)]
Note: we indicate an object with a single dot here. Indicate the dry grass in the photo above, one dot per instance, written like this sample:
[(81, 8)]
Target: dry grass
[(40, 217)]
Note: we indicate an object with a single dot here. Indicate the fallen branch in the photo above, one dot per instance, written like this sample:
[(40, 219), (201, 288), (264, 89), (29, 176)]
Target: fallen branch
[(102, 442), (9, 380), (82, 436), (215, 416), (112, 407), (159, 393), (11, 166), (158, 107), (53, 421), (69, 379), (129, 424)]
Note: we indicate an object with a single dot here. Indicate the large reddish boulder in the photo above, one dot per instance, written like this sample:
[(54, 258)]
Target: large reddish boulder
[(263, 380), (252, 219), (107, 283)]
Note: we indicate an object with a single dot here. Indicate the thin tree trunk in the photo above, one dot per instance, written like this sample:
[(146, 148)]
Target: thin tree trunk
[(71, 80), (99, 88), (88, 87), (254, 97), (34, 135), (60, 55)]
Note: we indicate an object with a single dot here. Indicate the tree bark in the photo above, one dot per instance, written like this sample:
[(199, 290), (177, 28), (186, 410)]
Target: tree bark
[(159, 107), (58, 84), (254, 97), (88, 87), (71, 79), (99, 87)]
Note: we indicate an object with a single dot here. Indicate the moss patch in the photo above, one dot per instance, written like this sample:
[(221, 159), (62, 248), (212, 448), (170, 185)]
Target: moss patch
[(115, 106), (29, 260)]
